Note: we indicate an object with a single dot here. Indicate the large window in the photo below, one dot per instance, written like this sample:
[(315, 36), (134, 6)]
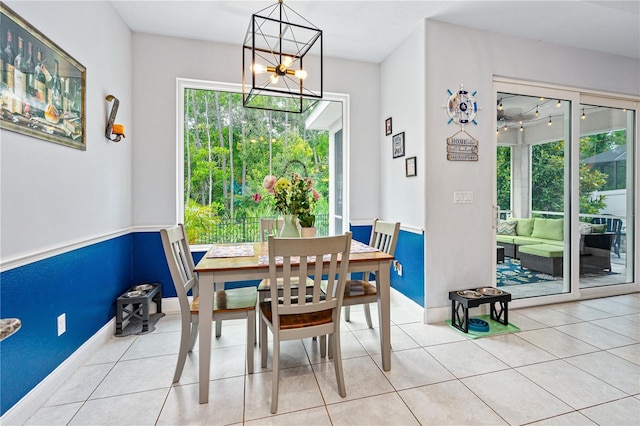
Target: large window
[(228, 151)]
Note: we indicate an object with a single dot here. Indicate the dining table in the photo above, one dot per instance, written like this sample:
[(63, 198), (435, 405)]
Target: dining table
[(234, 262)]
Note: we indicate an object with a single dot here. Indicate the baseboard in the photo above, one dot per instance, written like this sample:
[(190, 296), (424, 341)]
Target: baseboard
[(23, 409)]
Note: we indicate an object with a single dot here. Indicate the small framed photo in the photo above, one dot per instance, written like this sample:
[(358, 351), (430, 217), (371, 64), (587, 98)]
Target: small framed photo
[(398, 145), (387, 127), (410, 165)]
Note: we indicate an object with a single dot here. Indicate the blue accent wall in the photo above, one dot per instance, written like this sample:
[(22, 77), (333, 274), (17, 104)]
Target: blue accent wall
[(83, 284), (410, 253)]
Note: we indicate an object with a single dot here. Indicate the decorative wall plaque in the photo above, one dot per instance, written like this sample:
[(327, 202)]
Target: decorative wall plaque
[(462, 147)]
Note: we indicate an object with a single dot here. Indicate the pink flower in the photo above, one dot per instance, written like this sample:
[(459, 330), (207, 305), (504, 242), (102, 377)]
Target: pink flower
[(269, 183), (316, 194), (257, 197)]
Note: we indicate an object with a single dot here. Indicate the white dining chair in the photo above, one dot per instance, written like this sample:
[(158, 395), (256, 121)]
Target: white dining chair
[(384, 237), (291, 316), (271, 227), (227, 304)]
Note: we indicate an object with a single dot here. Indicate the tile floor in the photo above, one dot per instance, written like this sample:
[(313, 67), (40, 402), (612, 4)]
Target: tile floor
[(571, 364)]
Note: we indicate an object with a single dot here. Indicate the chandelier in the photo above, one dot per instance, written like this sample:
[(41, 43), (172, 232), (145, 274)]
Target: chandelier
[(281, 61)]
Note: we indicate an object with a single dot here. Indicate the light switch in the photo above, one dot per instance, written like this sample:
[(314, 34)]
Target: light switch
[(462, 197)]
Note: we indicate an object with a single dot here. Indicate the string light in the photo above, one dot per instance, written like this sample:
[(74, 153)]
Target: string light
[(559, 104), (521, 128), (505, 128), (537, 112), (583, 116), (549, 123), (500, 108)]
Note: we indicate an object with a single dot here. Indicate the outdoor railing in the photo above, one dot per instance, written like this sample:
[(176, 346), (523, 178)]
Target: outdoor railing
[(247, 229)]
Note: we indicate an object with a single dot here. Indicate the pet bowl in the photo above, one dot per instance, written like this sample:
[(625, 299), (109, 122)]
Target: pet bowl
[(476, 324)]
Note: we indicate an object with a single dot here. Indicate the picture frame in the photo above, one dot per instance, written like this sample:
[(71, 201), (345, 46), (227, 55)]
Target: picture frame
[(387, 127), (410, 167), (43, 98), (398, 145)]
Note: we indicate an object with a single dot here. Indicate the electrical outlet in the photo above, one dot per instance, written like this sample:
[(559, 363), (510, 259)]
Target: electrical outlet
[(397, 266), (62, 324)]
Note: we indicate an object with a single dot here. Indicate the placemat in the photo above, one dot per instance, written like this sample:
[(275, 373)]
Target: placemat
[(239, 250)]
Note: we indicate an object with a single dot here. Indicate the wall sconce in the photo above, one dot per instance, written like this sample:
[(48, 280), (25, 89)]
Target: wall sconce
[(116, 129)]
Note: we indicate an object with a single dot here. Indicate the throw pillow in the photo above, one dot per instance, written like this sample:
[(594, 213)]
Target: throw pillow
[(585, 228), (598, 228), (549, 229), (524, 227), (506, 227)]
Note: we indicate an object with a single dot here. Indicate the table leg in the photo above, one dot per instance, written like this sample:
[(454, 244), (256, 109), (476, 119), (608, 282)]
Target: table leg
[(205, 318), (217, 287), (383, 285)]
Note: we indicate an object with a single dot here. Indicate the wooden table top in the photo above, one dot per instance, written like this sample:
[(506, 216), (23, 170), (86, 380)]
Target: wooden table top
[(260, 249)]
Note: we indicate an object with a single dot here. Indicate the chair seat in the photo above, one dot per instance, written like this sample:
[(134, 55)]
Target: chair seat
[(290, 322), (359, 288), (265, 284), (236, 299)]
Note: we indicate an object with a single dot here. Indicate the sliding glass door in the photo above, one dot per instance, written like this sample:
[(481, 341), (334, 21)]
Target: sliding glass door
[(606, 214), (565, 187), (533, 180)]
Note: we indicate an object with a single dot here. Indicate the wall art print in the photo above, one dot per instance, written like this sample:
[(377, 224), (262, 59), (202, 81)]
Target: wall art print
[(42, 88)]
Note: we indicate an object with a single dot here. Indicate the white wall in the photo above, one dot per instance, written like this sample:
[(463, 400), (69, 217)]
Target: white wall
[(52, 195), (159, 61), (459, 236), (402, 87)]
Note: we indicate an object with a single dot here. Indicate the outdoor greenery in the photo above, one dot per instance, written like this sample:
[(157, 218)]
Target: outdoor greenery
[(547, 173), (230, 149)]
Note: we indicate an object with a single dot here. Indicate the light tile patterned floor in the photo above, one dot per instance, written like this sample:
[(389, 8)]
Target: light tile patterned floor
[(573, 363)]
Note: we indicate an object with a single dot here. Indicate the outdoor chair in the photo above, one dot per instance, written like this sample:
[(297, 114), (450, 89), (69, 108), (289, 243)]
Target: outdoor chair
[(613, 225)]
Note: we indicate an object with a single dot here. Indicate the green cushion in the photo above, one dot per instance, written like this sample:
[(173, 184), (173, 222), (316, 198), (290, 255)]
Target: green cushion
[(524, 227), (598, 229), (550, 229), (507, 227), (542, 250), (505, 239), (521, 241)]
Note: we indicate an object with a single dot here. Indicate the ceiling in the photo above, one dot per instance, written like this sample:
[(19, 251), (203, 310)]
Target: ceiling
[(369, 30)]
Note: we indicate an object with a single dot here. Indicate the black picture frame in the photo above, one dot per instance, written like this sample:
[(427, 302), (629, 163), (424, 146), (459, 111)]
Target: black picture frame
[(398, 145), (51, 109), (411, 167), (388, 127)]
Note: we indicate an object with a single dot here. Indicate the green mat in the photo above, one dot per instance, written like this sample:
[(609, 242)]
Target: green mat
[(494, 328)]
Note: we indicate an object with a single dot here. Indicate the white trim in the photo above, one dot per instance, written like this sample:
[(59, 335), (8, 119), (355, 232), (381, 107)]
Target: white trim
[(34, 256), (23, 409), (408, 228)]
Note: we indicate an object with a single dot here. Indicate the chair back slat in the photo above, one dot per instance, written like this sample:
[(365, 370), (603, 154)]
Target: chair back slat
[(302, 257), (269, 227)]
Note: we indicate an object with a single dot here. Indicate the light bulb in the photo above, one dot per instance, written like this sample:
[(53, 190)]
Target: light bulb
[(258, 68), (537, 112), (301, 74), (583, 116), (549, 123), (274, 78), (559, 104), (500, 108), (287, 61), (521, 128), (505, 128)]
